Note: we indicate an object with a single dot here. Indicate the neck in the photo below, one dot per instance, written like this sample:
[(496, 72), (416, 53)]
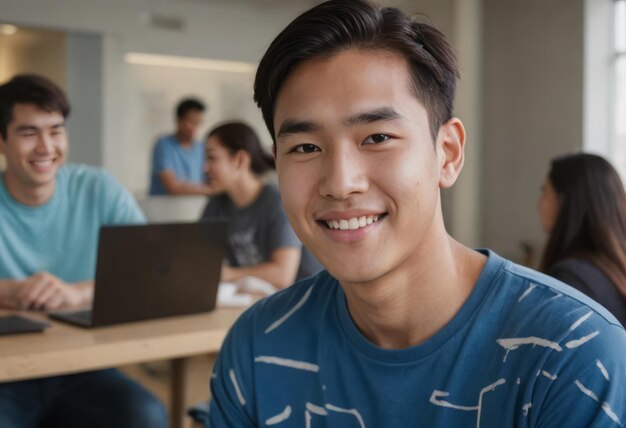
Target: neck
[(184, 141), (246, 190), (418, 299), (31, 196)]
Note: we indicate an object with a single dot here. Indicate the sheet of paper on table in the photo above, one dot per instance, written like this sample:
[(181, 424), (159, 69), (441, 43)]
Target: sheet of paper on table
[(243, 292)]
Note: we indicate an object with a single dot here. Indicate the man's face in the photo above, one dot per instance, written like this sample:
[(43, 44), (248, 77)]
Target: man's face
[(189, 124), (358, 173), (35, 147)]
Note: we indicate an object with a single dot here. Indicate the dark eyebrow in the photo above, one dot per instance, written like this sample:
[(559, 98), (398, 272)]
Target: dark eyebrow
[(381, 114), (23, 128), (296, 127), (27, 127)]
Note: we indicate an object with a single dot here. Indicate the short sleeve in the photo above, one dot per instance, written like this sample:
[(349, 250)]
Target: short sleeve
[(121, 207), (162, 157)]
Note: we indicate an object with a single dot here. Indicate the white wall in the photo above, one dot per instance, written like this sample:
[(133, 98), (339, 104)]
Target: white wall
[(153, 92), (520, 95), (226, 30), (84, 90), (533, 110)]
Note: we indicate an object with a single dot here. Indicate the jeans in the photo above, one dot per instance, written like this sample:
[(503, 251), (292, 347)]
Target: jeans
[(100, 399)]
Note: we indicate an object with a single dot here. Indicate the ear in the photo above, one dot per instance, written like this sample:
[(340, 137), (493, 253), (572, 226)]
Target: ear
[(2, 143), (451, 148), (243, 159)]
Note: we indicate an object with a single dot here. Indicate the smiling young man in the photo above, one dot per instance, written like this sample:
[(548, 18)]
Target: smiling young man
[(50, 217), (407, 327)]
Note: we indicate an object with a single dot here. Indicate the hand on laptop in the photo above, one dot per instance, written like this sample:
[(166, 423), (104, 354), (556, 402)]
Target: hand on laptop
[(45, 291)]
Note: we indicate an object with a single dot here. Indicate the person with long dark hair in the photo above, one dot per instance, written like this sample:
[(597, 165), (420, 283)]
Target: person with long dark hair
[(583, 209), (261, 243)]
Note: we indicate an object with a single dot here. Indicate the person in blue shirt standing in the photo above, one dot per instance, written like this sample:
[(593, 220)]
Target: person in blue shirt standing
[(178, 159), (50, 217), (406, 326)]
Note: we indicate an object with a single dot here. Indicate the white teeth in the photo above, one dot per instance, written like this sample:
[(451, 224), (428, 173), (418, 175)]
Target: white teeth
[(353, 223), (43, 162)]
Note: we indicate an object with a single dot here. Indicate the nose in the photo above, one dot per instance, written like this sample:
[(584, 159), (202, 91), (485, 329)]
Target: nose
[(343, 173), (45, 143)]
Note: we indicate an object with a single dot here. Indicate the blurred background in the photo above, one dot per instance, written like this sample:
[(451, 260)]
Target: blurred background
[(539, 78)]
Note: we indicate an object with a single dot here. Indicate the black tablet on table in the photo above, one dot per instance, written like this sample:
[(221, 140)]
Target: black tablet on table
[(15, 324)]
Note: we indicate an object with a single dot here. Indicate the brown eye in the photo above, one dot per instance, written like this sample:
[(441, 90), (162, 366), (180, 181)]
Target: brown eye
[(306, 148), (376, 139)]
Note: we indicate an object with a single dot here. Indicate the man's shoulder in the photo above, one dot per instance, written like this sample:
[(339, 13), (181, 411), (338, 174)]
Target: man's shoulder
[(165, 141), (84, 175), (538, 301), (291, 309), (91, 185)]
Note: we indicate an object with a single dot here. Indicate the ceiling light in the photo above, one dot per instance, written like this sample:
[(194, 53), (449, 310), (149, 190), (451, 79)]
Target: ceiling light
[(189, 62), (8, 29)]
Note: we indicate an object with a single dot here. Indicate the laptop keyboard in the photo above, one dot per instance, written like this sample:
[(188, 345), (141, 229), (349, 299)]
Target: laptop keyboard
[(82, 316)]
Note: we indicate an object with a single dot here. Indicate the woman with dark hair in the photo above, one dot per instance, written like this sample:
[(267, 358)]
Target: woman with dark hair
[(583, 209), (261, 243)]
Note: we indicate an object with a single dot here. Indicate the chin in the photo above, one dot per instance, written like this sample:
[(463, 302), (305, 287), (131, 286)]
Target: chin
[(355, 275)]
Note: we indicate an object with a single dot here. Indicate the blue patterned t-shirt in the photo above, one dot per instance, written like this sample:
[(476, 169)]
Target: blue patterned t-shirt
[(525, 350)]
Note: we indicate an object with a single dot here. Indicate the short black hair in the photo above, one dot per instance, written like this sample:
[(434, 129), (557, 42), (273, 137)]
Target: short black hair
[(189, 104), (30, 89), (337, 25)]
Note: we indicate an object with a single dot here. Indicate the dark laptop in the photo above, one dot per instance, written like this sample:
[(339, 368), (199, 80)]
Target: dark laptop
[(154, 271)]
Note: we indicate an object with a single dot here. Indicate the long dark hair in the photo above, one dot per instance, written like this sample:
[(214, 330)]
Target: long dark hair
[(235, 136), (591, 223)]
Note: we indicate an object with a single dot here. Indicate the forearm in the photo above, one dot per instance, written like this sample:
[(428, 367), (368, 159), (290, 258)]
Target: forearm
[(183, 188), (174, 186), (85, 290)]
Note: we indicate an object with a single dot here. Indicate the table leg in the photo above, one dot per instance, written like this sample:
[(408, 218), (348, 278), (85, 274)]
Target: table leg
[(178, 392)]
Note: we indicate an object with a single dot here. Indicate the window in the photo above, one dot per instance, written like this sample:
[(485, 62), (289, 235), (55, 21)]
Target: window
[(618, 146)]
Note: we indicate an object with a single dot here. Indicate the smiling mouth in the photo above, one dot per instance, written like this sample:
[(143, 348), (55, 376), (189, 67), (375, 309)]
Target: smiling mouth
[(43, 163), (353, 223)]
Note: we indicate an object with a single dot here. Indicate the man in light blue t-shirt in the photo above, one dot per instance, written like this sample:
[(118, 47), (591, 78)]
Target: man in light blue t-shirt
[(406, 327), (50, 217), (178, 159)]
